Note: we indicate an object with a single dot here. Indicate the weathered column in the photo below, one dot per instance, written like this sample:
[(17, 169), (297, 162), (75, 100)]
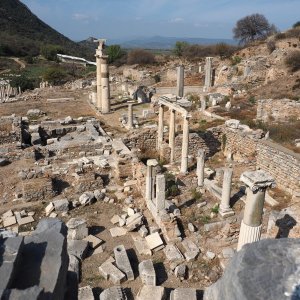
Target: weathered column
[(256, 182), (94, 92), (203, 103), (208, 73), (200, 167), (180, 81), (130, 117), (160, 192), (98, 80), (160, 132), (185, 145), (105, 94), (225, 210), (172, 134), (150, 177)]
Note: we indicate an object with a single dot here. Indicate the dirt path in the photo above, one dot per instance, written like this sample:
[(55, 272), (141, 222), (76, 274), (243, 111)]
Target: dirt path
[(18, 61)]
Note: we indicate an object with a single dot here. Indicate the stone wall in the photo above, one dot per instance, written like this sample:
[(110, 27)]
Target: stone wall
[(144, 139), (277, 110), (281, 163), (10, 130)]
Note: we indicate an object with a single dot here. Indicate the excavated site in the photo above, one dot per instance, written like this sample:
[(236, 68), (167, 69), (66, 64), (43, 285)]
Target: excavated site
[(118, 187)]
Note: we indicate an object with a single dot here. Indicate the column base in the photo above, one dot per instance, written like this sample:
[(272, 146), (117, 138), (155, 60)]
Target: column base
[(225, 213), (248, 234)]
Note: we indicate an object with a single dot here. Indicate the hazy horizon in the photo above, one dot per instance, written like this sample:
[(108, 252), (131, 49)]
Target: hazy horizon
[(117, 19)]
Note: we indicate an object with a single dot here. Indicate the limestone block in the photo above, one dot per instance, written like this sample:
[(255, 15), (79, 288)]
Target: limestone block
[(77, 248), (26, 220), (49, 209), (86, 198), (9, 221), (112, 273), (152, 292), (93, 241), (113, 293), (122, 262), (180, 271), (61, 205), (184, 293), (117, 231), (154, 241), (191, 249), (77, 229), (147, 272), (134, 221), (173, 254), (85, 293)]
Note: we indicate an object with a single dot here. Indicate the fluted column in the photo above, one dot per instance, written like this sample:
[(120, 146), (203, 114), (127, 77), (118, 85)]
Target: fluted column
[(150, 179), (172, 134), (185, 145), (257, 182)]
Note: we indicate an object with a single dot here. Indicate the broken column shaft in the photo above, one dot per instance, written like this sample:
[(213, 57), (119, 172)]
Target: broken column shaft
[(160, 192), (105, 94), (180, 81), (172, 134), (160, 133), (225, 209), (257, 182), (130, 116), (185, 145), (150, 177), (200, 167)]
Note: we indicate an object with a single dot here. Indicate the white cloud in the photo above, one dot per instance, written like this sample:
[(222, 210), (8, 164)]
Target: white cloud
[(176, 20), (80, 17)]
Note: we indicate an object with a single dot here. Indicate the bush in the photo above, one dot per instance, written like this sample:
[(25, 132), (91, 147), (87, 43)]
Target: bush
[(235, 60), (297, 24), (114, 53), (179, 48), (172, 189), (224, 50), (140, 56), (55, 75), (271, 45), (292, 61), (157, 78)]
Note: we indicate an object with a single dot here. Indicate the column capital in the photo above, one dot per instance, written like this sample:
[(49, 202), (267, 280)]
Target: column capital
[(152, 162), (257, 180)]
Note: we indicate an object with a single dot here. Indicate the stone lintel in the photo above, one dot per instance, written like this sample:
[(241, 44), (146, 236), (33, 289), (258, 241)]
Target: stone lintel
[(256, 180)]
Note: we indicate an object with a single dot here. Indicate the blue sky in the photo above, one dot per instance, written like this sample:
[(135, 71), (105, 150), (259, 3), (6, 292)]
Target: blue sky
[(111, 19)]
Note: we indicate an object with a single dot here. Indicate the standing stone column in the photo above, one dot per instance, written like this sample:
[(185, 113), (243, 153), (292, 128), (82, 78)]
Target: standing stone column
[(150, 177), (160, 192), (105, 94), (225, 210), (98, 80), (203, 103), (185, 145), (208, 73), (160, 132), (130, 117), (256, 182), (180, 81), (200, 167), (172, 134)]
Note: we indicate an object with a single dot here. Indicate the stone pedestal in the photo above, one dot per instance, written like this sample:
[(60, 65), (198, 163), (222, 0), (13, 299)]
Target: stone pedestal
[(257, 182), (200, 167), (160, 131), (105, 94), (180, 81), (172, 134), (225, 209), (185, 145), (130, 116)]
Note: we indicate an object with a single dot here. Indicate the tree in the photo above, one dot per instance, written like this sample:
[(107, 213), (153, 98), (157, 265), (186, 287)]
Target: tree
[(179, 48), (297, 24), (114, 52), (55, 75), (50, 51), (24, 82), (253, 27)]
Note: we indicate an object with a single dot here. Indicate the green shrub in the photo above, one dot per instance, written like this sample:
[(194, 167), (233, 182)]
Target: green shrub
[(24, 82), (157, 78), (114, 53), (55, 75), (172, 189), (235, 60), (50, 52), (252, 100), (292, 61), (297, 24)]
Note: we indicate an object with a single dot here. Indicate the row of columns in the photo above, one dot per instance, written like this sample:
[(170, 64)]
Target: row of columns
[(6, 91), (185, 136), (256, 183), (103, 92)]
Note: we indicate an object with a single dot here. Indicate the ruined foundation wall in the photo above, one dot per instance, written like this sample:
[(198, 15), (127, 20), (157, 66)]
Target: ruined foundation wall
[(281, 163), (10, 130), (144, 139), (277, 110)]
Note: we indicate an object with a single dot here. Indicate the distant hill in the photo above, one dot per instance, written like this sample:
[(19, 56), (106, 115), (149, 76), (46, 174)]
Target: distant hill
[(160, 42), (23, 33)]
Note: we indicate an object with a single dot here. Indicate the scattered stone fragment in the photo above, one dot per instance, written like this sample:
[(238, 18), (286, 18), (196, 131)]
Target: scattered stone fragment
[(49, 209), (93, 241), (210, 255), (113, 293), (78, 248), (26, 220), (115, 219), (173, 254), (122, 262), (99, 195), (61, 205), (86, 198), (152, 292), (9, 221), (7, 214), (183, 293), (117, 231), (154, 242), (143, 231), (53, 215), (191, 227), (134, 221), (180, 271)]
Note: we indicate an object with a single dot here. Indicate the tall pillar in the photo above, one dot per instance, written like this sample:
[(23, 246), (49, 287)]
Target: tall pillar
[(172, 134), (160, 192), (203, 103), (180, 81), (130, 116), (150, 177), (225, 210), (160, 133), (208, 73), (98, 63), (105, 94), (256, 182), (200, 167), (185, 145)]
